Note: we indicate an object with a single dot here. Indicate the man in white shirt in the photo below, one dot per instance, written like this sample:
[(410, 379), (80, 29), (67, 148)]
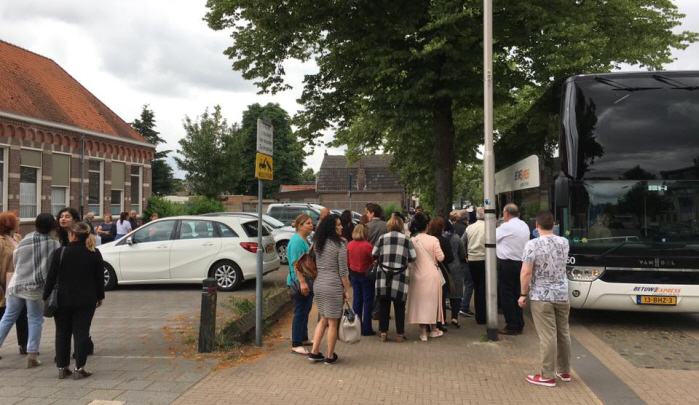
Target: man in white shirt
[(510, 238), (474, 239), (545, 283)]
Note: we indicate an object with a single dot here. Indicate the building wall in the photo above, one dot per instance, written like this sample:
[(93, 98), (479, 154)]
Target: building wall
[(16, 136), (340, 200)]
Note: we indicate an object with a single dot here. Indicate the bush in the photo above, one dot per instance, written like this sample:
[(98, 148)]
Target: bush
[(162, 207), (389, 208), (203, 205)]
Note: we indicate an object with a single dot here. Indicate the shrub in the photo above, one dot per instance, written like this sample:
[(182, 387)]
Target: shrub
[(163, 207), (389, 208), (203, 205)]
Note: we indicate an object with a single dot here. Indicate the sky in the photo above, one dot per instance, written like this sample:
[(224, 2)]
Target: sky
[(160, 52)]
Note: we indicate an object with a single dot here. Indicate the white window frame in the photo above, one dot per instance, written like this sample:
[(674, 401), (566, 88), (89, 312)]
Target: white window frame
[(140, 189), (121, 202), (67, 201), (4, 149), (38, 192), (99, 211), (63, 204)]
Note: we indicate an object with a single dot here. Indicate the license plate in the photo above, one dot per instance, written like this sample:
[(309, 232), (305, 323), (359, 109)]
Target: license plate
[(269, 248), (655, 300)]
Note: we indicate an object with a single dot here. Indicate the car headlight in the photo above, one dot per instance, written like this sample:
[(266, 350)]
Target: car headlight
[(584, 273)]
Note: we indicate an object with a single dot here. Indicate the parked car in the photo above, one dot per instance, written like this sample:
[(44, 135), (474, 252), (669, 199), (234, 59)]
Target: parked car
[(287, 212), (355, 215), (281, 233), (188, 249)]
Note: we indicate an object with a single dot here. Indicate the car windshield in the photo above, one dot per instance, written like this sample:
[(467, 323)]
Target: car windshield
[(635, 212), (251, 229), (272, 222)]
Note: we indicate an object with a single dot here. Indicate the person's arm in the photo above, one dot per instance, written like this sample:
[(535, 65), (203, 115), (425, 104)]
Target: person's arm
[(99, 278), (53, 273), (525, 278), (412, 254), (462, 251), (344, 271), (438, 252), (501, 232)]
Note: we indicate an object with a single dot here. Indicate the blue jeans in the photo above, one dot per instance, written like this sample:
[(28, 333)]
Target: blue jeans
[(35, 315), (363, 301), (299, 324), (468, 288)]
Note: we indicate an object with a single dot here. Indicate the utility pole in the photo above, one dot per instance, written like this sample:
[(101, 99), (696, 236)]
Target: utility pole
[(491, 291)]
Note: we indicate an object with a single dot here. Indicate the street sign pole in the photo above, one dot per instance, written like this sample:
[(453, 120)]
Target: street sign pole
[(264, 169), (491, 290)]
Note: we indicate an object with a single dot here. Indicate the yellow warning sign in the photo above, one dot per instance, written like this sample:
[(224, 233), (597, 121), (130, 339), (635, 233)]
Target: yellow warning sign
[(264, 167)]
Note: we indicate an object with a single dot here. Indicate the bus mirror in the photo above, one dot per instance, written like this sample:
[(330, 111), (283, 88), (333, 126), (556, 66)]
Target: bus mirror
[(562, 191)]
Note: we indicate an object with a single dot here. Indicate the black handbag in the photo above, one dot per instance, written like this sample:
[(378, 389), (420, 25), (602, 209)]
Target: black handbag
[(447, 276), (51, 303), (295, 288)]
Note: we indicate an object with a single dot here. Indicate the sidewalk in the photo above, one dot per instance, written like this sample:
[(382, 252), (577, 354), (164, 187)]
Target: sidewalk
[(457, 368)]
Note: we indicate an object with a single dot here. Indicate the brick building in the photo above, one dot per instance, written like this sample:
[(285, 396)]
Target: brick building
[(372, 181), (50, 128)]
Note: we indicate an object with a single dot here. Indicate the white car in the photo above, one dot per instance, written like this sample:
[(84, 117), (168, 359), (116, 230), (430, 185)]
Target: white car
[(281, 233), (188, 249)]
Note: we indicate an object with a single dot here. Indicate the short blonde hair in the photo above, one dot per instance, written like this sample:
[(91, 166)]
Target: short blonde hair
[(395, 224), (360, 232)]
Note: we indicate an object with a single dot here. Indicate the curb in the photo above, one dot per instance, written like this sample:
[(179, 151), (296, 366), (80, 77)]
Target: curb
[(242, 330)]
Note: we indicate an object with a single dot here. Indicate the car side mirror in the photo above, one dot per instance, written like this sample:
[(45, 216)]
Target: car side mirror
[(562, 192), (129, 241)]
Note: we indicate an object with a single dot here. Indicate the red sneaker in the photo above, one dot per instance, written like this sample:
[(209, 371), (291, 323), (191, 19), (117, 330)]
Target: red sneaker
[(539, 380), (563, 376)]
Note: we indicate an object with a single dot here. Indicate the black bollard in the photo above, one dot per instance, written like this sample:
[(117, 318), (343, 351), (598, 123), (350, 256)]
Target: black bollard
[(207, 323)]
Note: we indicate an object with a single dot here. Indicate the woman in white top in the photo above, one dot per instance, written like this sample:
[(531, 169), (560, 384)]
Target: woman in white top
[(123, 226)]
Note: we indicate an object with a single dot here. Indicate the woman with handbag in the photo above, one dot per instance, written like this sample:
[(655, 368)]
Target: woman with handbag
[(425, 298), (107, 230), (31, 264), (77, 272), (393, 252), (299, 286), (456, 270), (331, 287), (436, 228), (359, 260)]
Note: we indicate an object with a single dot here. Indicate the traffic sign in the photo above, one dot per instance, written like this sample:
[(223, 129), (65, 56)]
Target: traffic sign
[(264, 167), (265, 139)]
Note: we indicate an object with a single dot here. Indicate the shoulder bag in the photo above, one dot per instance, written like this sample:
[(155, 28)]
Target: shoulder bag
[(443, 271), (350, 325), (306, 264), (51, 303)]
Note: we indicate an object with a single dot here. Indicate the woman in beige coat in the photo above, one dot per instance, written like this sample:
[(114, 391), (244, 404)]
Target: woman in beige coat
[(425, 297)]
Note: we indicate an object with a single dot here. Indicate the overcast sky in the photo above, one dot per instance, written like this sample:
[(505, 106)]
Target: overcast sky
[(160, 52)]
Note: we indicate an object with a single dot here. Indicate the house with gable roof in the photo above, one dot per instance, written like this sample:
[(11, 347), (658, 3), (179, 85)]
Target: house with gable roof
[(372, 180), (56, 136)]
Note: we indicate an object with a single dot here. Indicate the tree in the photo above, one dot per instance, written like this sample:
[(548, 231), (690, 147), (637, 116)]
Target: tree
[(162, 177), (308, 176), (210, 154), (405, 76), (288, 151)]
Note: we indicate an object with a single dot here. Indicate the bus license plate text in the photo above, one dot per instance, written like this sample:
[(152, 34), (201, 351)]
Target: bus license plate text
[(655, 300)]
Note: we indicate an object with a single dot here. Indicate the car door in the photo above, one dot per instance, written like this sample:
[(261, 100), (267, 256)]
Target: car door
[(148, 256), (193, 250)]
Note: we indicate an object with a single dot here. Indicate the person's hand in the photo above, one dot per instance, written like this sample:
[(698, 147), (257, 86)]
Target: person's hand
[(345, 295), (522, 301), (99, 304), (305, 290)]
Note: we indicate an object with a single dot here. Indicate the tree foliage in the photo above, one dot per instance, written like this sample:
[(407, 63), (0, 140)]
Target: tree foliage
[(308, 176), (162, 177), (210, 154), (405, 76), (288, 151)]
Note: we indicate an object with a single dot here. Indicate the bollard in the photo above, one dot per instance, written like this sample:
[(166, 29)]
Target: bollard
[(207, 322)]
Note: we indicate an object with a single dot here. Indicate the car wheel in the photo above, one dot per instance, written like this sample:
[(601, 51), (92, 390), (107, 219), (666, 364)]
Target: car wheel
[(227, 275), (110, 280), (281, 251)]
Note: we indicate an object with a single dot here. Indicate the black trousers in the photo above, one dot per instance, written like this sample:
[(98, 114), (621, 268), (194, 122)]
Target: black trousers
[(508, 280), (73, 322), (21, 327), (385, 314), (477, 269)]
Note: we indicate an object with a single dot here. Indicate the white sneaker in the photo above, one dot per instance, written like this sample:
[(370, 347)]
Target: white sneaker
[(436, 334)]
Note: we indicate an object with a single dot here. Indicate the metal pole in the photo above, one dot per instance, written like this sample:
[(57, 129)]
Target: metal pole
[(491, 291), (258, 281)]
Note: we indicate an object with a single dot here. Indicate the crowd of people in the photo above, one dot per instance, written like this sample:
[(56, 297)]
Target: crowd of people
[(58, 259), (425, 267)]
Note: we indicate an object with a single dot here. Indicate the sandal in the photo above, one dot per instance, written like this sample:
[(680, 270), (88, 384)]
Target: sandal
[(382, 337), (455, 323), (299, 350), (400, 337)]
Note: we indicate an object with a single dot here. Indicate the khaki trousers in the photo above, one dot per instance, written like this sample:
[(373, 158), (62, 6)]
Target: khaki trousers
[(551, 322)]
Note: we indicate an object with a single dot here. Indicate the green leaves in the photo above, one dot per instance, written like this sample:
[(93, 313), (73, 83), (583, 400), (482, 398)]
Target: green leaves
[(162, 178)]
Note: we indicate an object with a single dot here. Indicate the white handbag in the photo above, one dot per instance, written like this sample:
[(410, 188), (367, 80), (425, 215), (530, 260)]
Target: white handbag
[(350, 328)]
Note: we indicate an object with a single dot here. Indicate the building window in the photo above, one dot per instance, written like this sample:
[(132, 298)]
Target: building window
[(28, 191), (60, 182), (116, 202), (94, 189), (136, 188)]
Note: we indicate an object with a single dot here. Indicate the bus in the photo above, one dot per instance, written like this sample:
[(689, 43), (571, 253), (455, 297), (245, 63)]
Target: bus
[(615, 157)]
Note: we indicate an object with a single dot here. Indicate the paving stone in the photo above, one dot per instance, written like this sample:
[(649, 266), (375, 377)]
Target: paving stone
[(136, 396), (103, 394), (11, 391), (70, 393), (134, 385)]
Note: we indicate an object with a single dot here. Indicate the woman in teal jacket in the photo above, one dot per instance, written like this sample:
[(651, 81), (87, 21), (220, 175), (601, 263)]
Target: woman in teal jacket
[(298, 245)]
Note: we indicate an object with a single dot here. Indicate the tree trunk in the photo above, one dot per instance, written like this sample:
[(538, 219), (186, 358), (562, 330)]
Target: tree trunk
[(443, 155)]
